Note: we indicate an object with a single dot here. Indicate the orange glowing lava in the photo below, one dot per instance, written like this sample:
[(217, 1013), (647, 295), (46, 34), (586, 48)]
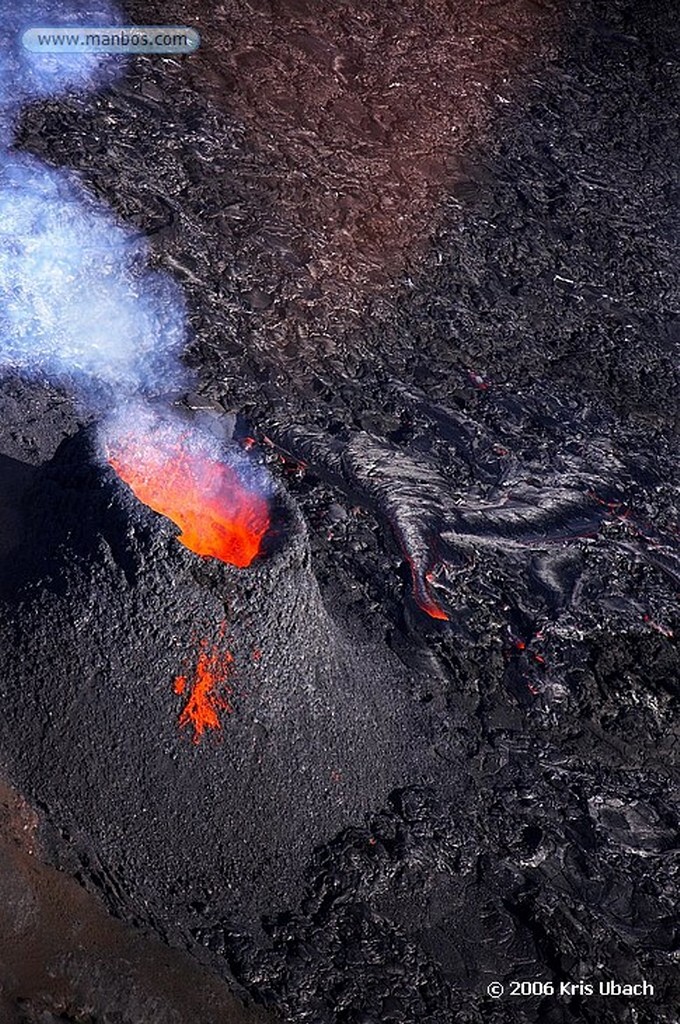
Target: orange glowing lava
[(217, 514), (422, 594), (432, 608), (209, 690)]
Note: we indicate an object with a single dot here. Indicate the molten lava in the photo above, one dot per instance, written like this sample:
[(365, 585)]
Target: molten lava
[(218, 515), (421, 592), (430, 606), (209, 692)]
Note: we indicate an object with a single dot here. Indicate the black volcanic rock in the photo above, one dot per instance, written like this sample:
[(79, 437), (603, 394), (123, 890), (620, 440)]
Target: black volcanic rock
[(320, 729), (62, 957)]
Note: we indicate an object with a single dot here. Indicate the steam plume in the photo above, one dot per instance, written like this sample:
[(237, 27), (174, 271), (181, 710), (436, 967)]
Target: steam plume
[(26, 76), (77, 301), (79, 305)]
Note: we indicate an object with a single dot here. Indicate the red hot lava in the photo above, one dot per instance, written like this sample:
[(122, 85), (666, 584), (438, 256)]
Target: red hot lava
[(209, 691), (421, 591), (218, 514)]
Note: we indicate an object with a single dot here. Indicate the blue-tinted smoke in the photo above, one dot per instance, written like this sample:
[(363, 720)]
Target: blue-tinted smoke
[(77, 300), (25, 76), (150, 436)]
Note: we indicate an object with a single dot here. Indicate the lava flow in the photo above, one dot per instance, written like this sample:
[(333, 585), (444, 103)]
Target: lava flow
[(422, 594), (218, 514)]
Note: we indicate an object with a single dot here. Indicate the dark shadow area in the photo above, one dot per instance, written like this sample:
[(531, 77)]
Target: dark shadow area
[(16, 479)]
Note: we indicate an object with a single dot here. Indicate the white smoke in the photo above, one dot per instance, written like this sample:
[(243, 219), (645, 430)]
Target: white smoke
[(77, 301), (151, 435), (25, 76)]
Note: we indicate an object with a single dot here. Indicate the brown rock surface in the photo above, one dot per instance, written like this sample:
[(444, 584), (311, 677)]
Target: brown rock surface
[(64, 958)]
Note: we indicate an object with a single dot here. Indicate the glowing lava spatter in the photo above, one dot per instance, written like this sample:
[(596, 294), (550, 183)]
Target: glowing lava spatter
[(209, 692), (217, 513)]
